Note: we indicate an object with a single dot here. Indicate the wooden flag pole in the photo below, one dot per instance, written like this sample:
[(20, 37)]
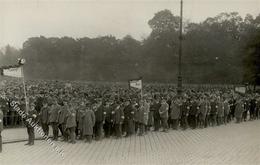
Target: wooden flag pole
[(24, 89)]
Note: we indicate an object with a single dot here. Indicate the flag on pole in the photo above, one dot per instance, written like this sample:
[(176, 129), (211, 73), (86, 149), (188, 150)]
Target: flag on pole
[(136, 83), (13, 72), (240, 89)]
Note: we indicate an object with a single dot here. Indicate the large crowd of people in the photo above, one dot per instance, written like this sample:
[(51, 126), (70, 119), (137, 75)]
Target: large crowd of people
[(87, 111)]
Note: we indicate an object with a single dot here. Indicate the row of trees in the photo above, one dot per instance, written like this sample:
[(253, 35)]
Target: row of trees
[(221, 49)]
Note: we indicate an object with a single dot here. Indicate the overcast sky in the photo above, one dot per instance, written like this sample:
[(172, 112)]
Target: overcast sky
[(21, 19)]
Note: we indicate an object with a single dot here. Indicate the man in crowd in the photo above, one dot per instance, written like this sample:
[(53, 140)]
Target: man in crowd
[(53, 118), (1, 126), (30, 123), (163, 111), (44, 117)]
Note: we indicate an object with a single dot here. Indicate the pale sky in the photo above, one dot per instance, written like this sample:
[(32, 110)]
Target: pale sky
[(21, 19)]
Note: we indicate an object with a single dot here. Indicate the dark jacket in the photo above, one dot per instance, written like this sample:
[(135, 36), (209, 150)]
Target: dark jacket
[(53, 114), (1, 120), (99, 114), (44, 115)]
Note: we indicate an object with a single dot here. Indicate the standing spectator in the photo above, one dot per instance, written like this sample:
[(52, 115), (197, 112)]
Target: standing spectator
[(213, 112), (129, 112), (30, 121), (1, 126), (71, 123), (226, 111), (88, 124), (156, 115), (53, 119), (164, 114), (220, 110), (202, 112), (117, 118), (108, 123), (62, 119), (239, 110), (175, 114), (185, 108), (99, 115), (44, 118)]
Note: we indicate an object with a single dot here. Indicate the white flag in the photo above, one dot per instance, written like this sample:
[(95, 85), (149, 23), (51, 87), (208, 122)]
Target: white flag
[(13, 72), (240, 89), (136, 84)]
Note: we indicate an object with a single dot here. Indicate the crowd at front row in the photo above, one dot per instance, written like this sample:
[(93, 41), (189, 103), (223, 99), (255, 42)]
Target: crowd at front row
[(82, 119)]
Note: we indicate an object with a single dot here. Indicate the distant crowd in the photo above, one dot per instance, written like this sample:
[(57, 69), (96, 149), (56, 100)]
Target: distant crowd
[(83, 111)]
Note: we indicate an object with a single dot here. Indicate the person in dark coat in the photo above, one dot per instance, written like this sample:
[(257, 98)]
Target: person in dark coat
[(88, 123), (185, 109), (175, 113), (220, 110), (108, 123), (71, 123), (129, 112), (213, 112), (5, 108), (193, 114), (44, 118), (202, 112), (1, 126), (99, 115), (62, 119), (226, 111), (53, 119), (156, 115), (117, 117), (239, 110), (30, 122)]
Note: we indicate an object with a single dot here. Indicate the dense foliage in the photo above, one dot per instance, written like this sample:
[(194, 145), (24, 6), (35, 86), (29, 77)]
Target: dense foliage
[(221, 49)]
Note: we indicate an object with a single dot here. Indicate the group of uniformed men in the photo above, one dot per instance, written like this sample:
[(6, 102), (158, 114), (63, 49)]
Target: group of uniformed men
[(85, 119)]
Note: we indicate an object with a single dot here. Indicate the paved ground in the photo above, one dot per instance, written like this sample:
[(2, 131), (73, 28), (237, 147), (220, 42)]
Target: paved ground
[(232, 144)]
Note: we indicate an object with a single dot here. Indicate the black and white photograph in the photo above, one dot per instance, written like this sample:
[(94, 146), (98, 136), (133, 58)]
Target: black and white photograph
[(129, 82)]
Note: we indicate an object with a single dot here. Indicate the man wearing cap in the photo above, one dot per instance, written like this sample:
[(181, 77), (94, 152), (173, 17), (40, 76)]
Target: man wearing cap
[(1, 126)]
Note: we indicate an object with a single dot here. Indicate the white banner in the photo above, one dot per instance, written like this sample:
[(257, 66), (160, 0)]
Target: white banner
[(135, 84), (240, 89), (13, 72)]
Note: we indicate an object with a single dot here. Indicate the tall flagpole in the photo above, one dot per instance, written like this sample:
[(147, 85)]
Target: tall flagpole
[(24, 89), (179, 85)]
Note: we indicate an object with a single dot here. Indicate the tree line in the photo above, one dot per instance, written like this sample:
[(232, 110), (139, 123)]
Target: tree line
[(220, 49)]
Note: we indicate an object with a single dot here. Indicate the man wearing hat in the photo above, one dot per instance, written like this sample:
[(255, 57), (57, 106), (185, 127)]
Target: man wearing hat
[(98, 110)]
